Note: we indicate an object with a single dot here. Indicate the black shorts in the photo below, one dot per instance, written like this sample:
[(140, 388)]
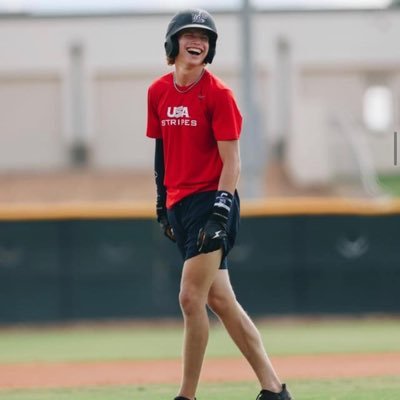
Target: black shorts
[(189, 215)]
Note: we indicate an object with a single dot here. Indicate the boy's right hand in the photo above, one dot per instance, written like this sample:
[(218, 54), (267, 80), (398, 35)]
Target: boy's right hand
[(162, 219)]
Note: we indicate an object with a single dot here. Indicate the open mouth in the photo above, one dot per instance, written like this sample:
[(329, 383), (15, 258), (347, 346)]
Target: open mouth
[(194, 51)]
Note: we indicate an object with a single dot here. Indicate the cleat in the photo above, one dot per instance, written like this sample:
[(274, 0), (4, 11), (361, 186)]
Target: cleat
[(267, 395)]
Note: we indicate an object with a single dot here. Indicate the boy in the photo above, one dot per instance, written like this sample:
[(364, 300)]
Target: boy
[(196, 123)]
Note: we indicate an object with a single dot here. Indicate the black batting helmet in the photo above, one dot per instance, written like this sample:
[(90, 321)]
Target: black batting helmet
[(192, 18)]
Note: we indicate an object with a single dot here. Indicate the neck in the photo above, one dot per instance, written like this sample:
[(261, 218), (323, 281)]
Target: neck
[(185, 76)]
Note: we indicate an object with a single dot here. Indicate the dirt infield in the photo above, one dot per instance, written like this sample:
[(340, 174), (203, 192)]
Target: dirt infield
[(52, 375)]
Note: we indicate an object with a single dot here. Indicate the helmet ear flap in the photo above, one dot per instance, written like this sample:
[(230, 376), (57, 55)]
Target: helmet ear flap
[(211, 51), (210, 56), (171, 46)]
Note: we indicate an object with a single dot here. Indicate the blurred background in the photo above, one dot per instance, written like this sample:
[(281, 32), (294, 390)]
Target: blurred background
[(318, 83)]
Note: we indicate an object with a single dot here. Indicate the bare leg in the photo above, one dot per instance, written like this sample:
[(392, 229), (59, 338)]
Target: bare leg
[(198, 274), (242, 330)]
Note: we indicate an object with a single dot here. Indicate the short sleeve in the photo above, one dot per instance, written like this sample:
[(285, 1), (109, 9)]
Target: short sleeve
[(226, 116), (153, 122)]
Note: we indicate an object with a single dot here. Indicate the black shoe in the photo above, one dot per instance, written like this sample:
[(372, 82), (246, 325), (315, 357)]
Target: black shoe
[(182, 398), (267, 395)]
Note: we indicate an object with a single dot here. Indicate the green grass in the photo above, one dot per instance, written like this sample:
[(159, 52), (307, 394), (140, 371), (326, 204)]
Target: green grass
[(130, 342), (390, 184), (352, 336), (386, 388)]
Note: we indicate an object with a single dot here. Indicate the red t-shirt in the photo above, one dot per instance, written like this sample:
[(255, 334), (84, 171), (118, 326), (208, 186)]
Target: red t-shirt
[(190, 125)]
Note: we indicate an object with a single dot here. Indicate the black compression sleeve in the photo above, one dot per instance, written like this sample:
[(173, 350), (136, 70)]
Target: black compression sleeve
[(159, 174)]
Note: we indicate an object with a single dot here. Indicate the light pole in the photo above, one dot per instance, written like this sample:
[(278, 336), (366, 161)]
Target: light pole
[(254, 159)]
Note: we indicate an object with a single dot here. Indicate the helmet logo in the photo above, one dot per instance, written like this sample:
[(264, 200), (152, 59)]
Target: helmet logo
[(199, 17)]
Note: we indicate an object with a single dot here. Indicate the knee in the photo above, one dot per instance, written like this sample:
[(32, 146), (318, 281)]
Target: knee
[(220, 304), (191, 302)]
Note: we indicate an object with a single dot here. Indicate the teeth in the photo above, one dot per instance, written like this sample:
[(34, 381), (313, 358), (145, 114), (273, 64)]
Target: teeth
[(192, 50)]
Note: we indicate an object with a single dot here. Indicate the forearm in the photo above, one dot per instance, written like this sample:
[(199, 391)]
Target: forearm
[(229, 176), (230, 156)]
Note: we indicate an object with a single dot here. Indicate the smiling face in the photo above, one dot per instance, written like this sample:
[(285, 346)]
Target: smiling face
[(193, 46)]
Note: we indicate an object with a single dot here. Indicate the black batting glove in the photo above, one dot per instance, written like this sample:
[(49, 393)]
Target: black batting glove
[(214, 233), (162, 219)]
